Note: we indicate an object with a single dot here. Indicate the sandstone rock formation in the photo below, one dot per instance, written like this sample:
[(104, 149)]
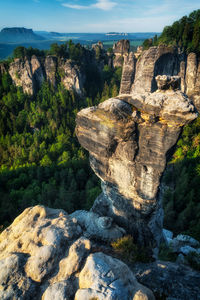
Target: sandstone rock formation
[(129, 139), (70, 76), (161, 60), (128, 73), (31, 73), (50, 65), (169, 280), (44, 255), (192, 79), (21, 74), (120, 50)]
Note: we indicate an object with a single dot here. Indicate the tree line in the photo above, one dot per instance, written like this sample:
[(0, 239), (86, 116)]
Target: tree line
[(184, 33)]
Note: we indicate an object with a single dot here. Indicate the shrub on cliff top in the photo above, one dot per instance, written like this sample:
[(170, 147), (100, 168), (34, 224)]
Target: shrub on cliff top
[(127, 249)]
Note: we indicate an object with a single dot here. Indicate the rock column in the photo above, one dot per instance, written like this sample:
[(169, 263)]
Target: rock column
[(129, 139)]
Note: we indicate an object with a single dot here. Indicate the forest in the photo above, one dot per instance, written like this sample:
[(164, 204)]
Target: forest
[(41, 161), (184, 33)]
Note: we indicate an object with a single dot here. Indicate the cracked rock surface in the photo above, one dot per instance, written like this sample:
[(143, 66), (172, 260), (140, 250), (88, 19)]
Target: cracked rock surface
[(129, 139), (44, 255)]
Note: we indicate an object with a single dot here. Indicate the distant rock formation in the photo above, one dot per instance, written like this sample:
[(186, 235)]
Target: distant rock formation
[(45, 255), (18, 35), (129, 139), (31, 73), (120, 50), (161, 60)]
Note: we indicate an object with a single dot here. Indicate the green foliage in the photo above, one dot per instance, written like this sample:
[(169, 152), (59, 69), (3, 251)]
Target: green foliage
[(166, 253), (22, 52), (147, 43), (128, 250), (184, 33), (182, 200), (41, 160)]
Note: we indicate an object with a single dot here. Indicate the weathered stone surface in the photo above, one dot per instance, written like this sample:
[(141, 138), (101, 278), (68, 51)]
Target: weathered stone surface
[(128, 138), (73, 262), (184, 244), (43, 254), (21, 74), (168, 236), (191, 72), (161, 60), (31, 248), (108, 278), (99, 228), (192, 78), (59, 291), (30, 74), (128, 73), (187, 240), (166, 82), (121, 50), (169, 280), (70, 76), (121, 47), (51, 68), (37, 71)]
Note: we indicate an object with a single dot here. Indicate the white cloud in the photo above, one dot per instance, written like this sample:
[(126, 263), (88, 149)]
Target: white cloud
[(74, 6), (100, 4), (105, 4)]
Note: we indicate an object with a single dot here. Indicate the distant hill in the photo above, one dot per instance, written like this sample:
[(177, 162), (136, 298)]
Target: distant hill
[(19, 35)]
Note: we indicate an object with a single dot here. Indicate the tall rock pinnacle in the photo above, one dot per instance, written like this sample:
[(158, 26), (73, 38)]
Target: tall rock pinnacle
[(129, 139)]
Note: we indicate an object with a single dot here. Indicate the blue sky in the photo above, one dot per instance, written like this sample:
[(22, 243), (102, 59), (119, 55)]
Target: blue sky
[(94, 15)]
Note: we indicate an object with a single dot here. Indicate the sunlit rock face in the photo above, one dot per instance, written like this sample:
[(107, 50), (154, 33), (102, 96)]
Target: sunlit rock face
[(129, 139), (21, 74), (120, 50), (30, 73), (71, 76), (192, 79), (45, 254), (50, 65), (140, 70)]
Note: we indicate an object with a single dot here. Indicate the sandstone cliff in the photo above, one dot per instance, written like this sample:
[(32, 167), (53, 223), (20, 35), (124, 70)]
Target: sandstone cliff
[(120, 50), (129, 139), (161, 60), (31, 73)]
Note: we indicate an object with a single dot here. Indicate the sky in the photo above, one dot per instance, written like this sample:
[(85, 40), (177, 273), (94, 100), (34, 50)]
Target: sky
[(97, 16)]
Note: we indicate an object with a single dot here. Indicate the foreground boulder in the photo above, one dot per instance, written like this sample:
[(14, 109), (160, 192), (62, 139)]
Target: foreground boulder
[(45, 255), (129, 139)]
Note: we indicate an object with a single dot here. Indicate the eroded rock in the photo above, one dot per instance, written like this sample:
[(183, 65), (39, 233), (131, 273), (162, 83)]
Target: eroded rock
[(21, 74), (96, 227), (129, 138), (120, 50), (71, 77), (51, 69), (169, 280), (104, 277), (43, 255)]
